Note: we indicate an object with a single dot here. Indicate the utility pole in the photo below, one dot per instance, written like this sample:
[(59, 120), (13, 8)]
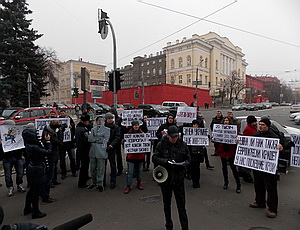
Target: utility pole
[(103, 19), (29, 88)]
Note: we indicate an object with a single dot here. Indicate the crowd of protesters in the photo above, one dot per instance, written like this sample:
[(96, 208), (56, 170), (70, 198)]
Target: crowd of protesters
[(96, 141)]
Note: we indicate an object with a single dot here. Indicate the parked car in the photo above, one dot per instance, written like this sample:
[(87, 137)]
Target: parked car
[(23, 116), (98, 110), (239, 107), (154, 110), (70, 106), (295, 108), (251, 107), (297, 120), (104, 107), (267, 105), (274, 103), (119, 106), (294, 115), (128, 106)]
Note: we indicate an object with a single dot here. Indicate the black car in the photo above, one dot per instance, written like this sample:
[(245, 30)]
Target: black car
[(154, 110), (98, 110), (128, 106), (104, 107)]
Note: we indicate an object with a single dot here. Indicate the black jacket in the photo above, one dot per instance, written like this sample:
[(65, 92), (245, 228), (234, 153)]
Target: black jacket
[(115, 135), (162, 127), (167, 151), (215, 120), (56, 141), (81, 138)]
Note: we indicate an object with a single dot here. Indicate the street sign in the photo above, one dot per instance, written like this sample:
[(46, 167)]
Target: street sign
[(96, 94), (197, 82)]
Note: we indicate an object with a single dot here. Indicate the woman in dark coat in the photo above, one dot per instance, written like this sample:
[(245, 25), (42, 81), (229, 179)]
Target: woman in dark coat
[(227, 153), (36, 170)]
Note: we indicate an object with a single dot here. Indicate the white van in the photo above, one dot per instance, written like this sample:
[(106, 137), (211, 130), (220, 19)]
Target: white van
[(173, 103)]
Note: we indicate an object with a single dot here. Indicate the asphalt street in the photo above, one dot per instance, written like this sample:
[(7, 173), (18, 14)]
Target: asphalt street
[(209, 207)]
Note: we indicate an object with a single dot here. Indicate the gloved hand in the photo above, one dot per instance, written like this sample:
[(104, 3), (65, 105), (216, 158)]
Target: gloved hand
[(110, 147)]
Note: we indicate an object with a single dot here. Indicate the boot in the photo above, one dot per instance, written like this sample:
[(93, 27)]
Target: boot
[(238, 188), (140, 186), (225, 186), (36, 213), (127, 189)]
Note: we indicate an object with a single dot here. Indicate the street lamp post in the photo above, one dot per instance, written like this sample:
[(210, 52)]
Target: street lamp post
[(29, 88)]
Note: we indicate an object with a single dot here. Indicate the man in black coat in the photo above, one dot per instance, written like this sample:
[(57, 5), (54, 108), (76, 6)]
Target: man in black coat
[(112, 147), (170, 120), (173, 154), (216, 120), (266, 182), (83, 149)]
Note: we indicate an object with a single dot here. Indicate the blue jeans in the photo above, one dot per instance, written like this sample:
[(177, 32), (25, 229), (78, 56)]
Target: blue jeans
[(71, 154), (47, 185), (130, 168), (8, 165)]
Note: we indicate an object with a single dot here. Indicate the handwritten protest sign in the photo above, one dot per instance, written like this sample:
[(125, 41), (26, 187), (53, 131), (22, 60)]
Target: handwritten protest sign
[(224, 133), (153, 125), (11, 136), (186, 114), (131, 115), (257, 153), (195, 136), (295, 151), (41, 123), (137, 143)]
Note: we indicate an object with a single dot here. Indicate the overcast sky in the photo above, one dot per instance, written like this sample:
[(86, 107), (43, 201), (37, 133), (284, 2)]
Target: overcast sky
[(268, 31)]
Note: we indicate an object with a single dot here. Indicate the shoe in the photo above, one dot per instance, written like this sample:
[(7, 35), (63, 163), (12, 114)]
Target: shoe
[(20, 188), (63, 177), (119, 173), (209, 167), (100, 188), (127, 189), (38, 215), (238, 189), (271, 214), (56, 183), (52, 186), (74, 175), (255, 205), (27, 211), (139, 186), (49, 201), (112, 186), (225, 186), (10, 191), (196, 185), (91, 186)]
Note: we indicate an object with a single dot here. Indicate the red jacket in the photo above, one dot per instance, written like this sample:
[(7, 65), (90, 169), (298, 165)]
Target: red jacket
[(135, 157), (249, 130), (226, 150)]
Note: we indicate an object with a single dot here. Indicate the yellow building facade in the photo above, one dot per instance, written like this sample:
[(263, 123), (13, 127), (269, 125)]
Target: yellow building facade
[(207, 61), (69, 77)]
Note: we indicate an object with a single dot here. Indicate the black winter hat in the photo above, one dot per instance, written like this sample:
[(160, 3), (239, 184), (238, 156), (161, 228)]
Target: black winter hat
[(251, 119), (266, 121), (196, 122), (85, 117), (135, 122), (173, 131)]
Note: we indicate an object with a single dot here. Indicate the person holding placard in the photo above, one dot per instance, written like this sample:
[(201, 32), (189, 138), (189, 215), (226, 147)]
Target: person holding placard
[(173, 154), (134, 162), (216, 120), (162, 130), (266, 182), (227, 153)]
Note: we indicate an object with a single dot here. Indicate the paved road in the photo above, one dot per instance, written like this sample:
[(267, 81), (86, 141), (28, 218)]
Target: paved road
[(209, 207)]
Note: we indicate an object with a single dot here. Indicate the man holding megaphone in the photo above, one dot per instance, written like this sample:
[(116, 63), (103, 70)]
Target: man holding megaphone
[(173, 155)]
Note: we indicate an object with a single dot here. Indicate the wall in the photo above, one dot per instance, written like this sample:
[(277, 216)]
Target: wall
[(154, 94)]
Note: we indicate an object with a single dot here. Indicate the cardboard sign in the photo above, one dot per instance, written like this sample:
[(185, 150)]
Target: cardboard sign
[(295, 151), (224, 133), (195, 136), (153, 124), (257, 153), (11, 136), (137, 143), (186, 114), (129, 116), (41, 123)]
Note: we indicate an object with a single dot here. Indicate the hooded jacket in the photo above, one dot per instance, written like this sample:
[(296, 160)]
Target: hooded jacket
[(164, 126)]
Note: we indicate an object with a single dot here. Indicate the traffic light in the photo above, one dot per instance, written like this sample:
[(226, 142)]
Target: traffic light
[(118, 81), (75, 92), (103, 30)]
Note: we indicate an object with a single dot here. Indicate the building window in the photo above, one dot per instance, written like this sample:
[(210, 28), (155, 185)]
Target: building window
[(159, 60), (200, 78), (172, 64), (160, 71), (205, 80), (239, 73), (188, 46), (216, 81), (205, 64), (142, 64), (148, 63), (217, 63), (201, 60), (173, 80), (180, 62), (189, 60), (153, 62), (153, 72), (180, 79), (148, 72), (188, 78)]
